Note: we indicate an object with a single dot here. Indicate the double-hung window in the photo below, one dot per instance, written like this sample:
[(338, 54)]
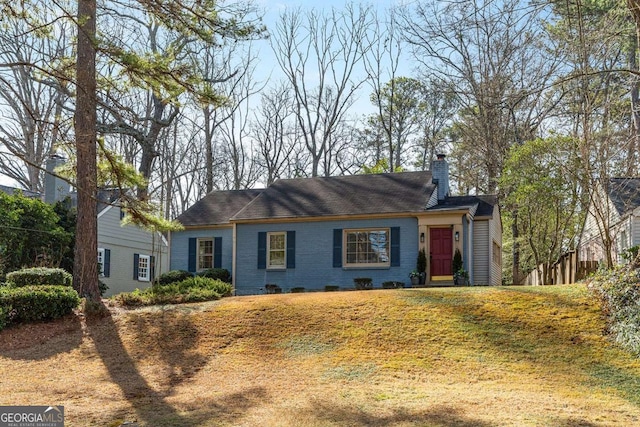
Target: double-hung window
[(276, 250), (367, 247), (101, 262), (205, 254), (104, 262), (144, 268)]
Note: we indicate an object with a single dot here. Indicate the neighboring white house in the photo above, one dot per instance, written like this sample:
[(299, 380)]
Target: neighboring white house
[(614, 213), (130, 256)]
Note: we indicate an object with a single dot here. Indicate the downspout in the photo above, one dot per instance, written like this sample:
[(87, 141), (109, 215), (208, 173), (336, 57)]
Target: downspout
[(465, 246), (233, 260), (169, 250), (470, 248)]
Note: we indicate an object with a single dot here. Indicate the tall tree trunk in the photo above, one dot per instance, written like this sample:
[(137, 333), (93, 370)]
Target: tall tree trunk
[(516, 273), (208, 137), (85, 265), (634, 140)]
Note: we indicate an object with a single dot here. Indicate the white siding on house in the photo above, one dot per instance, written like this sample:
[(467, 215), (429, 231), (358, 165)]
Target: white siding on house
[(124, 242), (635, 230), (481, 253), (591, 247), (495, 227)]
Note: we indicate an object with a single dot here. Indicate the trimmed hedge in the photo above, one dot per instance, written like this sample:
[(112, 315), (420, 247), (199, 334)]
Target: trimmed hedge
[(363, 283), (37, 302), (392, 284), (216, 273), (173, 276), (40, 276), (193, 289)]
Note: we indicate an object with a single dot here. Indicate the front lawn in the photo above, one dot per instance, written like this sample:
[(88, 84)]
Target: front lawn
[(517, 356)]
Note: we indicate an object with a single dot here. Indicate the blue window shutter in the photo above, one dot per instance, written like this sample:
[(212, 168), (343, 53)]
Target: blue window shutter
[(395, 246), (106, 268), (192, 254), (153, 268), (136, 262), (217, 252), (262, 250), (337, 247), (291, 249)]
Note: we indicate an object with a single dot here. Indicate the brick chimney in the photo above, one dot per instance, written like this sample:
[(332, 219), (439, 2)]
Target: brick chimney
[(440, 174)]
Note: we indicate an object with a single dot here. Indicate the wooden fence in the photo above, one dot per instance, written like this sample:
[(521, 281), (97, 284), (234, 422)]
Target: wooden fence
[(568, 269)]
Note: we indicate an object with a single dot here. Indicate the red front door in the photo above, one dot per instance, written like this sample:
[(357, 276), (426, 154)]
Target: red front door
[(441, 244)]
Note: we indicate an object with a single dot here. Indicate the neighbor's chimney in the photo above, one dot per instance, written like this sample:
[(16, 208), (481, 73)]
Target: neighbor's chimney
[(55, 189), (440, 174)]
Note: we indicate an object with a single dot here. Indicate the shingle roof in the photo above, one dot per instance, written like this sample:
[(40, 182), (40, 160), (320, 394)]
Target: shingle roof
[(12, 190), (341, 195), (217, 207), (624, 194), (482, 205)]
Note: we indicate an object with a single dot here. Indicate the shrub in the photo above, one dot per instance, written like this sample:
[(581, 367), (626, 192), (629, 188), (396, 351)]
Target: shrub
[(363, 283), (193, 289), (272, 288), (456, 263), (216, 273), (392, 284), (102, 287), (4, 316), (619, 292), (297, 290), (40, 276), (331, 288), (421, 262), (173, 276), (38, 302)]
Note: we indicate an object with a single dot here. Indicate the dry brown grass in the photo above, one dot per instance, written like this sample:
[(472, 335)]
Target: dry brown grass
[(432, 357)]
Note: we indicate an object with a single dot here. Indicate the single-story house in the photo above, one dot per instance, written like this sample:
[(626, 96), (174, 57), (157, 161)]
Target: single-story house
[(614, 211), (314, 232)]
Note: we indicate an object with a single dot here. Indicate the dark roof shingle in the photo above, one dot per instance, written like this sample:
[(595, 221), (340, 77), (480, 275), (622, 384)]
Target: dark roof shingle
[(624, 194), (217, 207), (341, 195), (483, 204)]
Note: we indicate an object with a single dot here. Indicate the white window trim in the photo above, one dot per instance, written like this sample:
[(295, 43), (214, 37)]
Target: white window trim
[(269, 265), (346, 264), (147, 276), (213, 250), (101, 254)]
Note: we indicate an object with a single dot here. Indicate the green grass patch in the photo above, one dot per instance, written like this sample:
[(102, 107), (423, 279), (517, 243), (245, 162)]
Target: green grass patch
[(351, 372), (305, 345)]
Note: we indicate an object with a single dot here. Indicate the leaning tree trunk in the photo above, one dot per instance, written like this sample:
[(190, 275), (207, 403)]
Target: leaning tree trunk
[(85, 265)]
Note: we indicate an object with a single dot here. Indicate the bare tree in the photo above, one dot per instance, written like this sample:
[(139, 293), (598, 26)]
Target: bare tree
[(438, 109), (31, 102), (319, 54), (382, 63), (274, 131), (491, 53), (229, 71)]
